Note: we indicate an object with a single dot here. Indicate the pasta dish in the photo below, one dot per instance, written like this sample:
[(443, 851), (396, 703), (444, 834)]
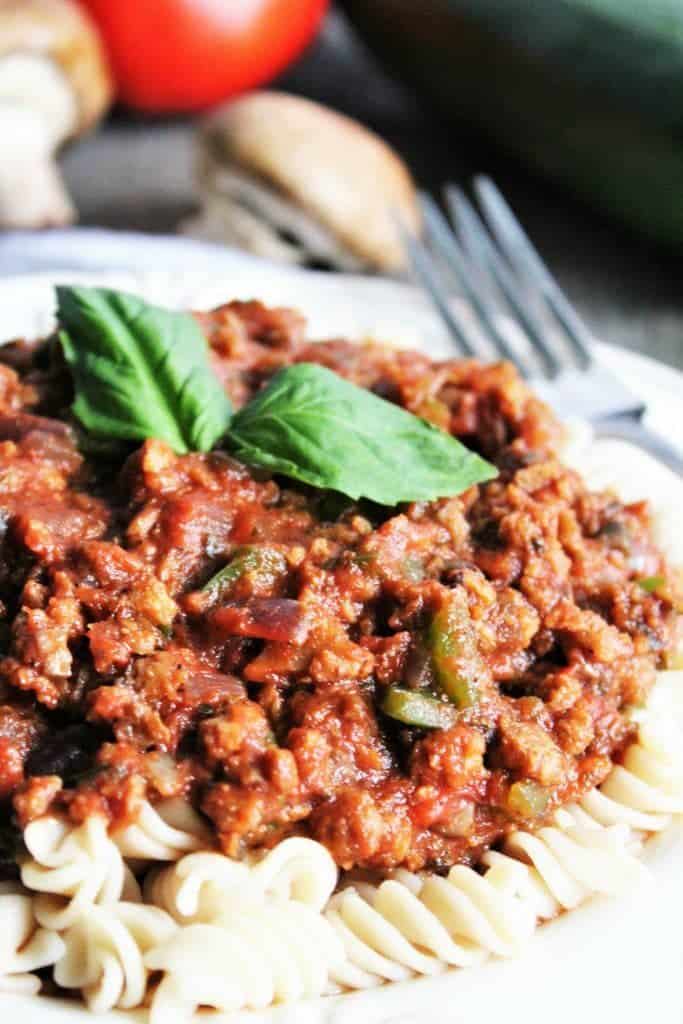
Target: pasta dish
[(320, 668)]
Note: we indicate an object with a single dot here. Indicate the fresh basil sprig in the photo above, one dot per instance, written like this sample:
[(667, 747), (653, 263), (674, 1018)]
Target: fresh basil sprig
[(311, 424), (140, 371)]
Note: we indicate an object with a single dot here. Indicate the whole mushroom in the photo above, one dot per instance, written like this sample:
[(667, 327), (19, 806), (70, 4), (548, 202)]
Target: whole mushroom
[(54, 85), (292, 180)]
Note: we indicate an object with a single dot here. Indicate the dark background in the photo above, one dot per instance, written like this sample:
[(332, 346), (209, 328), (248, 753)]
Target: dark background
[(137, 174)]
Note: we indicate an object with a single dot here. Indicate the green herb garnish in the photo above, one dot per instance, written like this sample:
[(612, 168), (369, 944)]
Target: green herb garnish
[(140, 371), (311, 424)]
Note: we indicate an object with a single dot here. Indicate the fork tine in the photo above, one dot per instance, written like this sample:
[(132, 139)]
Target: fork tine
[(423, 265), (441, 234), (477, 240), (520, 250)]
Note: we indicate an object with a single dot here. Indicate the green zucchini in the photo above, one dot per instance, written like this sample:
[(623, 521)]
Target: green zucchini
[(590, 92)]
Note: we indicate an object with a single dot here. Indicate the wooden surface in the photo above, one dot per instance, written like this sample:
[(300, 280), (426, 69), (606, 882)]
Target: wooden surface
[(137, 173)]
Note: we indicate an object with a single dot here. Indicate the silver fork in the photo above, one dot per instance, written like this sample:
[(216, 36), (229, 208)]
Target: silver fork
[(515, 310)]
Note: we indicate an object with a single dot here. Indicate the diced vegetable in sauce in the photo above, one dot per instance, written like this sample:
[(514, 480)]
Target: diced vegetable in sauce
[(453, 646), (651, 584), (419, 672), (267, 618), (265, 561), (413, 569), (527, 800), (418, 709)]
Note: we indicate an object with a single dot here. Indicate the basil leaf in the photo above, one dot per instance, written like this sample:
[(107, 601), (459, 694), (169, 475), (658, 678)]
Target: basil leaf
[(314, 426), (140, 371)]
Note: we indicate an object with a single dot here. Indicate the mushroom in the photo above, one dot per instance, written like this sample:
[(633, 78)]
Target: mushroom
[(292, 180), (54, 85)]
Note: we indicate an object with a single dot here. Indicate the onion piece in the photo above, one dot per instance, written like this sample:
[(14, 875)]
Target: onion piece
[(266, 618)]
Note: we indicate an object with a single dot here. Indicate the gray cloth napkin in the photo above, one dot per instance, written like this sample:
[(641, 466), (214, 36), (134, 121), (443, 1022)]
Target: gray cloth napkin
[(26, 252)]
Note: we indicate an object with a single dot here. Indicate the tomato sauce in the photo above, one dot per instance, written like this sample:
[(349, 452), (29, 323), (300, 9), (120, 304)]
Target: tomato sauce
[(123, 677)]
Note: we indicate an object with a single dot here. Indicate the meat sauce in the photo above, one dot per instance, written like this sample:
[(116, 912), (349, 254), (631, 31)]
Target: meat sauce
[(124, 677)]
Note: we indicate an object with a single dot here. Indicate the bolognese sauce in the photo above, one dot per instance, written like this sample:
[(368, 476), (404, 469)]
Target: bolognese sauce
[(405, 685)]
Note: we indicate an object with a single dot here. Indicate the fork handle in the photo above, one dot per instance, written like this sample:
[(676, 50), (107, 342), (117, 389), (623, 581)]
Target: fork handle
[(628, 428)]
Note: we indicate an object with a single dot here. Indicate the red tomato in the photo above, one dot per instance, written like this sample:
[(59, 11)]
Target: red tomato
[(176, 55)]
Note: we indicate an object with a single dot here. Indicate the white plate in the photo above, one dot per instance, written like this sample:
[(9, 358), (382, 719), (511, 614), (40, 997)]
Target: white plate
[(619, 959)]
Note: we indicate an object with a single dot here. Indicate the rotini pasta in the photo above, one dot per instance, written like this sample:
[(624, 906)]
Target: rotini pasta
[(666, 700), (297, 869), (72, 867), (202, 886), (576, 861), (104, 952), (197, 887), (280, 951), (165, 831), (261, 922), (647, 789), (24, 945), (413, 924)]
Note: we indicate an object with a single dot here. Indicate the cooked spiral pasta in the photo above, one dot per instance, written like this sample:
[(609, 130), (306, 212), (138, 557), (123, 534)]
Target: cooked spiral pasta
[(24, 945), (647, 788), (197, 887), (419, 924), (72, 867), (165, 831), (574, 861), (280, 951), (666, 699), (104, 953), (297, 869), (415, 924), (201, 886)]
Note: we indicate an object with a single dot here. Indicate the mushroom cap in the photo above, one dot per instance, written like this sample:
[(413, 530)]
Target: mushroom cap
[(62, 32), (325, 163)]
